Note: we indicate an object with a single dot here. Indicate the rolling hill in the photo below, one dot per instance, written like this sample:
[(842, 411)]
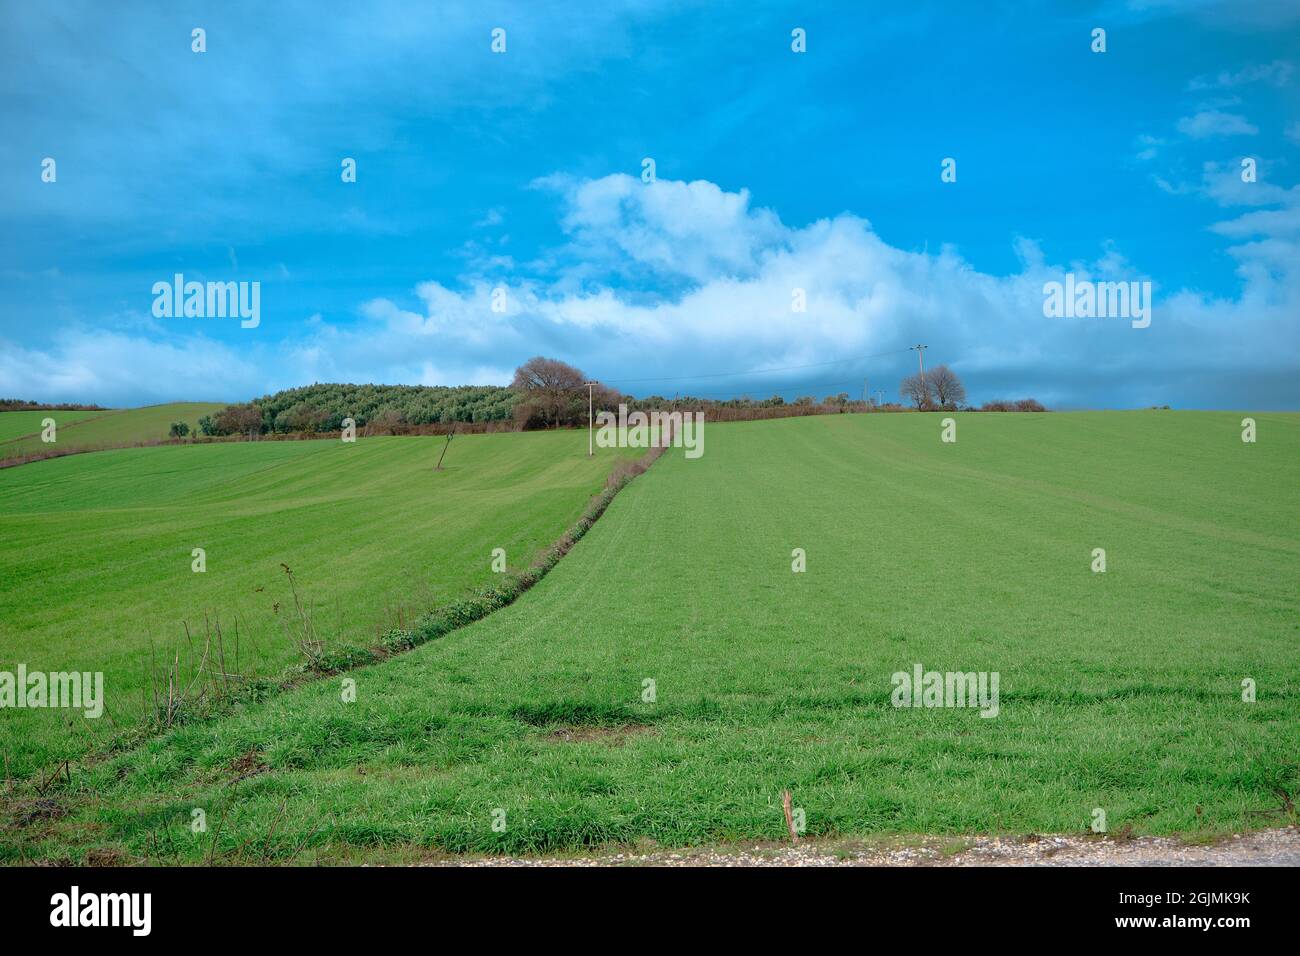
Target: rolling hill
[(674, 674), (96, 552), (88, 431), (15, 425)]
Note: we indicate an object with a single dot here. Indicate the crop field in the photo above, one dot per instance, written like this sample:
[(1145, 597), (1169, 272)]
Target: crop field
[(14, 425), (101, 429), (674, 673), (96, 565)]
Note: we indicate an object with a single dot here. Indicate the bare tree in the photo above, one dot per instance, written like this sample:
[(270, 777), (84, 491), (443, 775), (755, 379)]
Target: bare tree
[(947, 388), (551, 387), (239, 419), (606, 399), (917, 390)]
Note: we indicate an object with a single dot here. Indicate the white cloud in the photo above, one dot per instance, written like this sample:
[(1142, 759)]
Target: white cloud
[(1274, 225), (1277, 73), (864, 296), (691, 230), (729, 270), (1173, 189), (1222, 182), (113, 368), (1150, 147), (1212, 122)]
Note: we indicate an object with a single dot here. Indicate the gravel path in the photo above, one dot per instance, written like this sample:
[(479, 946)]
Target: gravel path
[(1260, 848)]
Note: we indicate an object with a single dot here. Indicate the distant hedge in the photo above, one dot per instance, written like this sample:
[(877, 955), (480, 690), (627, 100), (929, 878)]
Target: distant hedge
[(21, 405), (1020, 405)]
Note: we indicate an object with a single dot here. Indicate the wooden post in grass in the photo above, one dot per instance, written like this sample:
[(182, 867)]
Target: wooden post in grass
[(789, 816), (591, 450), (450, 435)]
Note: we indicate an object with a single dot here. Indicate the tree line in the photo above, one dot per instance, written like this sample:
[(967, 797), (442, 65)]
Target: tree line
[(545, 393), (323, 407), (20, 405), (940, 389)]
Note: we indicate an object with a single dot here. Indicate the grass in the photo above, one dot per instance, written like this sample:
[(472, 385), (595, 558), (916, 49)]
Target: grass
[(91, 430), (1119, 690), (96, 565), (15, 425)]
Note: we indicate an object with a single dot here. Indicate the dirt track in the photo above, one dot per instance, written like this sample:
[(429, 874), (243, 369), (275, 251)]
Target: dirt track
[(1261, 848)]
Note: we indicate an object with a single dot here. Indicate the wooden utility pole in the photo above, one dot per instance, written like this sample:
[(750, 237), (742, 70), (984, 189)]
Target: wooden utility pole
[(450, 435), (591, 448), (920, 357)]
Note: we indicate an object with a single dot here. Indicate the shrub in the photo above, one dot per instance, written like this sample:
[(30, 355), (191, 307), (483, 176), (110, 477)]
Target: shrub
[(397, 639), (337, 660), (1023, 405)]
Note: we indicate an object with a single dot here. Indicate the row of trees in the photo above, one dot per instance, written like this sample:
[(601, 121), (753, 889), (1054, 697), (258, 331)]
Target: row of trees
[(939, 388), (776, 401), (545, 393), (552, 393), (21, 405), (322, 408)]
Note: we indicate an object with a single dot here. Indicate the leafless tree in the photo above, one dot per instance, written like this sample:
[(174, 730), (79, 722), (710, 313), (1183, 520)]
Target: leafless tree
[(606, 399), (551, 387), (239, 419), (917, 390), (946, 387)]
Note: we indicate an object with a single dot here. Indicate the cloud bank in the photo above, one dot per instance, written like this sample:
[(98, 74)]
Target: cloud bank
[(672, 279)]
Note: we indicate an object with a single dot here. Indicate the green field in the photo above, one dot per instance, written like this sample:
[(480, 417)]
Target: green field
[(1119, 691), (91, 430), (95, 551), (15, 425)]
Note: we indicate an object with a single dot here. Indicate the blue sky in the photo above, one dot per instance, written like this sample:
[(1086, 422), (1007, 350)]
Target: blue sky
[(775, 170)]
